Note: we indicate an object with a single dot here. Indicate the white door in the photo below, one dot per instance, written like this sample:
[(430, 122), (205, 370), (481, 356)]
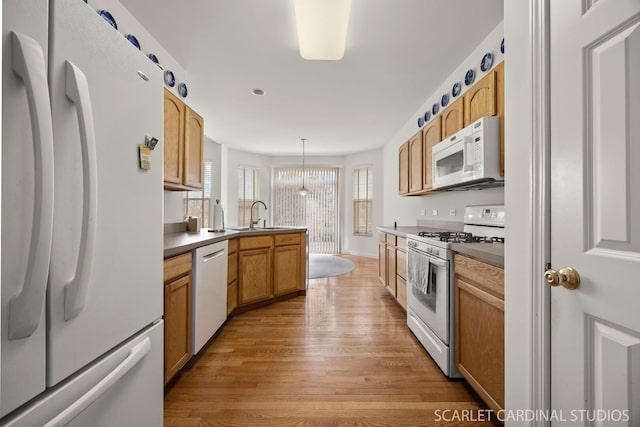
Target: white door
[(105, 281), (595, 210), (24, 266)]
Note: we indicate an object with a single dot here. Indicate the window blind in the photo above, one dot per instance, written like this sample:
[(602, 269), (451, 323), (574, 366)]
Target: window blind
[(248, 186), (197, 203), (362, 201)]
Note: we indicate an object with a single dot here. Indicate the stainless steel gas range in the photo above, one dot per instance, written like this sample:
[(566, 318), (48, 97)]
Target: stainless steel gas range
[(430, 272)]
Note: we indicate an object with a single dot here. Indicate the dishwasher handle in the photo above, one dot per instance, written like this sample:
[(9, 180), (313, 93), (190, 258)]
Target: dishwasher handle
[(213, 255)]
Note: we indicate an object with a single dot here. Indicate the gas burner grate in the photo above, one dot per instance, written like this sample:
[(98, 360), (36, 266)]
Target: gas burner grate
[(459, 237)]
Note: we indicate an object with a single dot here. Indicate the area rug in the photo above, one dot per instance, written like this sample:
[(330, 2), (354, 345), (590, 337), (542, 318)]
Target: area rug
[(321, 265)]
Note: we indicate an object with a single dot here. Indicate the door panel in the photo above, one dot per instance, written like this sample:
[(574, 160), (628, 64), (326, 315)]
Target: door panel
[(595, 207), (124, 291), (22, 360)]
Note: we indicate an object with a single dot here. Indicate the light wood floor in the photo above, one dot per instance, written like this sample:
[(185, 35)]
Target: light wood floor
[(341, 356)]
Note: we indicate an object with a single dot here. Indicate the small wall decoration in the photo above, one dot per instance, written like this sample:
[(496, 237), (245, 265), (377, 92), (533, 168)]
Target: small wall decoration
[(169, 78), (427, 116), (456, 89), (444, 100), (469, 77), (487, 61), (182, 90), (435, 108)]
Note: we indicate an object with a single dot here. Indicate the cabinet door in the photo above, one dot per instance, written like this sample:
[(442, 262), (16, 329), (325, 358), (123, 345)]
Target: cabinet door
[(452, 119), (499, 71), (403, 168), (391, 269), (173, 138), (286, 269), (401, 291), (254, 275), (480, 100), (382, 263), (415, 162), (193, 149), (430, 136), (177, 325), (480, 341)]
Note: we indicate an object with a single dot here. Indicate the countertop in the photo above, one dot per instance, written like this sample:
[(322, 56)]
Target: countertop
[(491, 253), (180, 242)]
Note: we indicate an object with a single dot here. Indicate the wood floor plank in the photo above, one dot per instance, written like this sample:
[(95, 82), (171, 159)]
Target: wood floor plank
[(340, 356)]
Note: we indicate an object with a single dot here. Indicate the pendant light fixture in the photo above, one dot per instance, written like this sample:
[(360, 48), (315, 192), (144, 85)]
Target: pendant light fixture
[(303, 191)]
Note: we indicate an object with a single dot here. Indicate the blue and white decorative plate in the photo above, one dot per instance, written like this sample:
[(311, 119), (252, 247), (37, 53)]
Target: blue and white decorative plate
[(469, 77), (444, 100), (502, 46), (153, 58), (420, 122), (182, 90), (169, 78), (427, 116), (455, 90), (487, 60), (109, 18), (434, 109), (133, 40)]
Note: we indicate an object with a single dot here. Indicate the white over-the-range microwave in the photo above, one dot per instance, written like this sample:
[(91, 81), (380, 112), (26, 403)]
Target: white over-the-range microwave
[(470, 158)]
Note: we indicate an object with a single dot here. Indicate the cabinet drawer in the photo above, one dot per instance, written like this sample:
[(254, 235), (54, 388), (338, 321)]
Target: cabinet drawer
[(402, 243), (287, 239), (232, 267), (255, 242), (391, 239), (233, 246), (177, 266), (484, 276)]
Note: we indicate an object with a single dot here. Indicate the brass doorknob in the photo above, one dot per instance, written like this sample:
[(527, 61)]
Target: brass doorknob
[(566, 277)]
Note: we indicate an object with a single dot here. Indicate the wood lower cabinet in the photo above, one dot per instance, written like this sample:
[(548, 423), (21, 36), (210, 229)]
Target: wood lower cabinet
[(183, 145), (479, 328), (392, 271), (232, 276), (270, 266), (177, 314)]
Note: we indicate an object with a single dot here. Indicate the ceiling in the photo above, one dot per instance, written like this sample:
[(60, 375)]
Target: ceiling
[(398, 53)]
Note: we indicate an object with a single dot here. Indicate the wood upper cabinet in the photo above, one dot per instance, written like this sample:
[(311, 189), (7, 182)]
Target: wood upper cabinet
[(480, 99), (479, 328), (403, 168), (173, 138), (184, 145), (452, 119), (177, 314), (415, 162), (431, 135), (499, 71)]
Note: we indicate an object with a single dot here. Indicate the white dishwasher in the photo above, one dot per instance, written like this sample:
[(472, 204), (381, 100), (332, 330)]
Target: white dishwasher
[(209, 308)]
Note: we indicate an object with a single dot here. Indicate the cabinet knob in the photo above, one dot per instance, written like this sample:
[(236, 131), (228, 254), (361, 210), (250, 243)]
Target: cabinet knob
[(567, 277)]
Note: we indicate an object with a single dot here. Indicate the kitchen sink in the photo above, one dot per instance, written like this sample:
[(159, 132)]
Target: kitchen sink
[(257, 228)]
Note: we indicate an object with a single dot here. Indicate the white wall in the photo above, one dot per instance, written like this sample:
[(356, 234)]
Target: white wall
[(407, 210), (362, 245)]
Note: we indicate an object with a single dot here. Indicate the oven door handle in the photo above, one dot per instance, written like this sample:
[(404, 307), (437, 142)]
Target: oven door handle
[(438, 262)]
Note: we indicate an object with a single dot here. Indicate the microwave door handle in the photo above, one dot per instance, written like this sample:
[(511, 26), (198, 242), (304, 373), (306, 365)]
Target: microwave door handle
[(466, 167)]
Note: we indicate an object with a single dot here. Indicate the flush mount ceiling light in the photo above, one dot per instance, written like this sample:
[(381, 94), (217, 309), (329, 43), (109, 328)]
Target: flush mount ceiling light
[(322, 28), (303, 191)]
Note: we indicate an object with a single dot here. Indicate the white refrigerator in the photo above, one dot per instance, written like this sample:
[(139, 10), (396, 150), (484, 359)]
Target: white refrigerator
[(81, 255)]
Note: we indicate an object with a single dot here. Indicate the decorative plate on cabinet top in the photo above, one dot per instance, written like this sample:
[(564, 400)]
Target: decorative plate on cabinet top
[(182, 90), (169, 78), (420, 122), (502, 46), (455, 90), (487, 60), (133, 40), (109, 18), (427, 116), (444, 100), (469, 77), (434, 109), (153, 58)]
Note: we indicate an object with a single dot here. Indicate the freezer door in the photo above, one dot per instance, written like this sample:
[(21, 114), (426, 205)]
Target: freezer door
[(124, 388), (105, 281), (26, 134)]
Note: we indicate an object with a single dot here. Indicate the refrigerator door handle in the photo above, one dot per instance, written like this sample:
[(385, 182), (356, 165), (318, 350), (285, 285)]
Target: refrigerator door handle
[(136, 354), (25, 308), (77, 290)]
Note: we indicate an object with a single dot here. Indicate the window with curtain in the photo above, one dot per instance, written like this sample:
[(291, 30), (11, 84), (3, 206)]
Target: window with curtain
[(362, 201), (197, 203), (318, 211), (248, 186)]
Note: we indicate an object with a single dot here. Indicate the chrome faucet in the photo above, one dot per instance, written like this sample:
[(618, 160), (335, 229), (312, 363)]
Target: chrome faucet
[(252, 223)]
